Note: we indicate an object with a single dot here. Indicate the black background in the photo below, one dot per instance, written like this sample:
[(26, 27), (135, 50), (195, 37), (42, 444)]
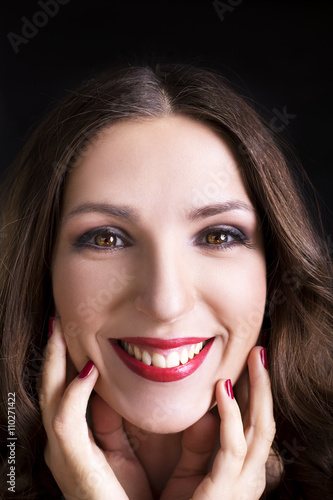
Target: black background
[(276, 53)]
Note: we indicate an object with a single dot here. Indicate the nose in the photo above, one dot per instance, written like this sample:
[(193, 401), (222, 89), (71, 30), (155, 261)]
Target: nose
[(166, 290)]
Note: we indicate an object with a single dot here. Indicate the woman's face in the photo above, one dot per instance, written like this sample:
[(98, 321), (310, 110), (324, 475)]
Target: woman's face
[(159, 245)]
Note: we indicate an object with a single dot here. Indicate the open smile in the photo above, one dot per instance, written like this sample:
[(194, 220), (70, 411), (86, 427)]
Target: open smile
[(162, 360)]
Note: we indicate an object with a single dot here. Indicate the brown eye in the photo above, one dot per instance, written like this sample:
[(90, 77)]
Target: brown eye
[(105, 240), (102, 238), (217, 237)]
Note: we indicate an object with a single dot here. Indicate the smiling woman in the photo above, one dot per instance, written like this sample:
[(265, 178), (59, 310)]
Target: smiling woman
[(175, 255), (162, 231)]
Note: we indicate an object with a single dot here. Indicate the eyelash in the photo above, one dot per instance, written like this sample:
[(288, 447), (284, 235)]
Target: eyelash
[(84, 241)]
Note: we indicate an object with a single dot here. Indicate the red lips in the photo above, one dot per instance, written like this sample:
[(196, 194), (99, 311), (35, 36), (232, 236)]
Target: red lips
[(162, 374)]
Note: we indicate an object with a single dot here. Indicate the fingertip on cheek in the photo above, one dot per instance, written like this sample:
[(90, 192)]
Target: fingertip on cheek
[(56, 341), (86, 370), (258, 359), (224, 388), (228, 388), (263, 357)]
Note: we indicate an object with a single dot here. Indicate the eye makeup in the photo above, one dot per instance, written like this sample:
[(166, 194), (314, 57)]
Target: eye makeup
[(222, 237), (103, 238), (107, 238)]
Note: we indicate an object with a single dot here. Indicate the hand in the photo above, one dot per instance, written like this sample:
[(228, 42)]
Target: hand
[(81, 468), (238, 471)]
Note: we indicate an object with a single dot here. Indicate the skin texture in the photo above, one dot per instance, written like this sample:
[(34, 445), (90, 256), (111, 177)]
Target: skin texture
[(162, 279)]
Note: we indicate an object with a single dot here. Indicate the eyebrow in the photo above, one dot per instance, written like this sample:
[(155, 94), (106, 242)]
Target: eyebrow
[(218, 208), (122, 212), (126, 213)]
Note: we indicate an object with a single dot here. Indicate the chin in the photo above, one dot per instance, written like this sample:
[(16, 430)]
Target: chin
[(177, 424), (158, 413)]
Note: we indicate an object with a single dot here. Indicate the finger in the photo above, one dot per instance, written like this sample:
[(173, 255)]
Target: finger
[(260, 430), (108, 428), (240, 463), (53, 378), (69, 423), (230, 458), (198, 444), (54, 397), (77, 464)]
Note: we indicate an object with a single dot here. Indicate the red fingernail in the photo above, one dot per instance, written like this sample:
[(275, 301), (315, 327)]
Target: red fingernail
[(263, 357), (86, 370), (51, 325), (229, 390)]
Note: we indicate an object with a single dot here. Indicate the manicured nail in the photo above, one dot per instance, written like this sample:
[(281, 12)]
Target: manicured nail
[(229, 390), (263, 357), (51, 326), (86, 370)]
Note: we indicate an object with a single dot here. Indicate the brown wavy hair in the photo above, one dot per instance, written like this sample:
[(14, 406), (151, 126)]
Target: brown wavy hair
[(298, 318)]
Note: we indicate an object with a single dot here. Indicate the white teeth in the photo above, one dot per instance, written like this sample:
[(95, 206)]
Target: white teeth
[(197, 348), (184, 357), (172, 359), (146, 358), (130, 349), (158, 360), (137, 352)]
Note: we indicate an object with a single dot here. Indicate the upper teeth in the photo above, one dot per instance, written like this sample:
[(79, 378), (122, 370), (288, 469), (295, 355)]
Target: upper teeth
[(154, 358)]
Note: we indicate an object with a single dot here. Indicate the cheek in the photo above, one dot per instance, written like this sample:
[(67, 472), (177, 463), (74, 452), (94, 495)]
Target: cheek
[(74, 288), (236, 292), (238, 296), (85, 292)]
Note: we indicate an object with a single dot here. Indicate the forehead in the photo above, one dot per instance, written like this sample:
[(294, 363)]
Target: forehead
[(161, 161)]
